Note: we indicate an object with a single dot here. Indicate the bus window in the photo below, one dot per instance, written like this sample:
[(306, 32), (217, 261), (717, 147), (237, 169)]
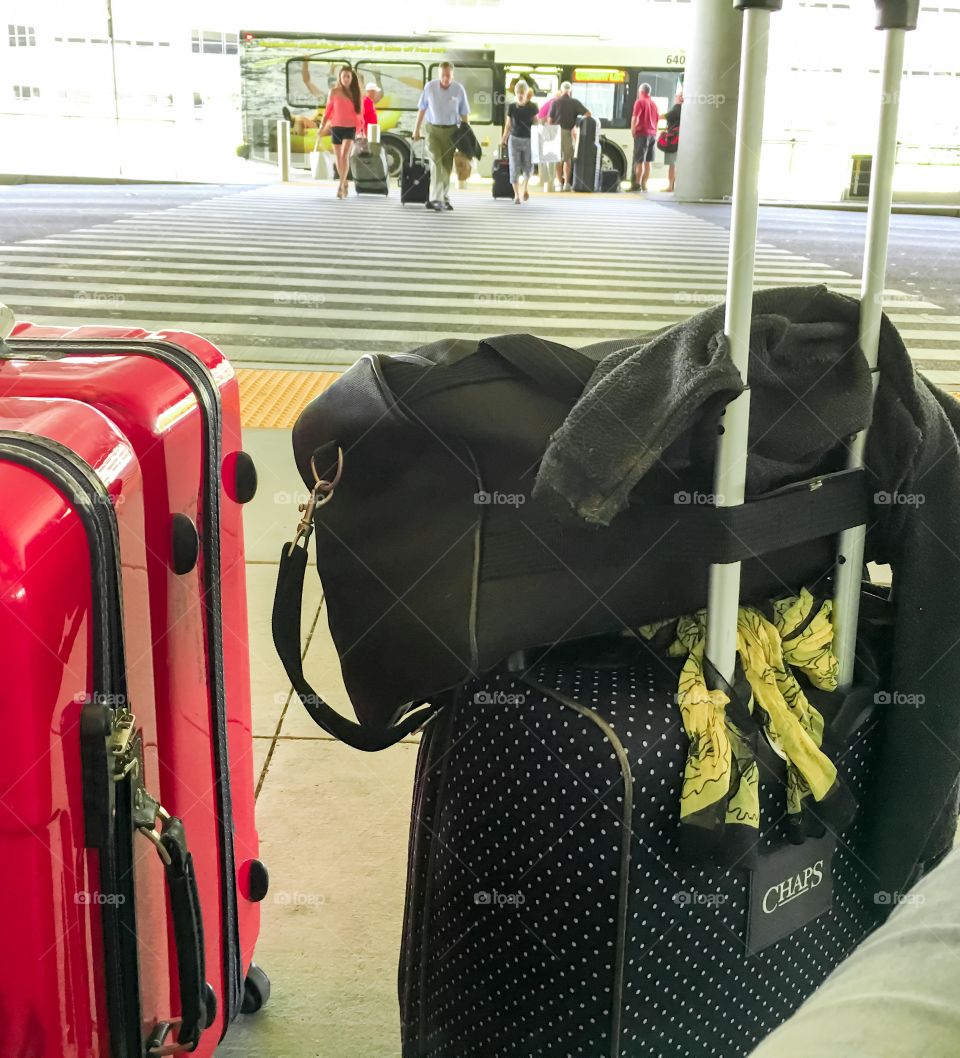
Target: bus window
[(544, 80), (402, 82), (603, 92), (478, 84), (664, 85), (309, 81)]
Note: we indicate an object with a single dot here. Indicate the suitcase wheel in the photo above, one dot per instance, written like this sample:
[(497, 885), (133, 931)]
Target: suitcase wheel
[(256, 990)]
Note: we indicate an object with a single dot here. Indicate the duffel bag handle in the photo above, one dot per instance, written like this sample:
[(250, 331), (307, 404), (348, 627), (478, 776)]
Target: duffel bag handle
[(287, 611)]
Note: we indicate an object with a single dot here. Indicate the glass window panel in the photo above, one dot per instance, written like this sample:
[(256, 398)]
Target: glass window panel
[(401, 82), (478, 84)]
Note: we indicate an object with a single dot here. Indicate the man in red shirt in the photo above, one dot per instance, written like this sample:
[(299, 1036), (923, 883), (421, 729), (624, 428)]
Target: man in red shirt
[(643, 128), (371, 94)]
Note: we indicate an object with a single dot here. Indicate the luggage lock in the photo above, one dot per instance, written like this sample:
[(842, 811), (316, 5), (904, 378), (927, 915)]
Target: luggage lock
[(321, 493)]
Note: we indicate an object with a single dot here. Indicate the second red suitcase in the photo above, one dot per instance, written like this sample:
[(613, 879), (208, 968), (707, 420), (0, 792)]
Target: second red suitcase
[(175, 398)]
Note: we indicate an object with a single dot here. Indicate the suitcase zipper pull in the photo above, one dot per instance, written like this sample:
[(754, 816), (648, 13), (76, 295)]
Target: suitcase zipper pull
[(321, 493)]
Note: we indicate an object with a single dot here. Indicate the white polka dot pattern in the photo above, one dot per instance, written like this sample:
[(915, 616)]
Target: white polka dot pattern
[(523, 934)]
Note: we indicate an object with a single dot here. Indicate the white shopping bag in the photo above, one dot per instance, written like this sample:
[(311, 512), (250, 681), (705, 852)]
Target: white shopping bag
[(549, 144), (321, 165)]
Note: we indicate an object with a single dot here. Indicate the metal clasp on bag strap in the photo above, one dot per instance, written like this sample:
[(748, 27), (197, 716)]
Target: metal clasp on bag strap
[(321, 493)]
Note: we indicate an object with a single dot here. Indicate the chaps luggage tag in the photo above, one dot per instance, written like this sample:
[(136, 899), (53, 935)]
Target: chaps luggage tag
[(789, 887)]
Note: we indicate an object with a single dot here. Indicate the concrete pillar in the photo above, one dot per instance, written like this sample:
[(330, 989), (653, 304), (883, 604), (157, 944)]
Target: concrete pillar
[(710, 86)]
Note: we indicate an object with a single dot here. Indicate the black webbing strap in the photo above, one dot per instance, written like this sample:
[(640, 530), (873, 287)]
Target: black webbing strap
[(287, 608), (560, 370), (795, 515), (556, 369)]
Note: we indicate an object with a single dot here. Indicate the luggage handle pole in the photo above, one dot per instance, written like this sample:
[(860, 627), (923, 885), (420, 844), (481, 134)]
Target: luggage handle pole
[(731, 469), (896, 17)]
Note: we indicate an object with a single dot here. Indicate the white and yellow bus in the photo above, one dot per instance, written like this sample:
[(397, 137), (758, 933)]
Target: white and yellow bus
[(296, 71)]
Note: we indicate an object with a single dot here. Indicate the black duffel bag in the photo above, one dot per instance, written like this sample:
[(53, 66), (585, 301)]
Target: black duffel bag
[(437, 562)]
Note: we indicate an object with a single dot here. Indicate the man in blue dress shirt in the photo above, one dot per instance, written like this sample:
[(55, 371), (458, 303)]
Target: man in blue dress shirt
[(443, 104)]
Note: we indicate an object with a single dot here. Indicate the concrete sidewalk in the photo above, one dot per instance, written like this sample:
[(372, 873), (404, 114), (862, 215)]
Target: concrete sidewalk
[(333, 826)]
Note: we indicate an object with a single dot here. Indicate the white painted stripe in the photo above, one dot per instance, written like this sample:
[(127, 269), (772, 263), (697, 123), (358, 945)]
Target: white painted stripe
[(504, 299)]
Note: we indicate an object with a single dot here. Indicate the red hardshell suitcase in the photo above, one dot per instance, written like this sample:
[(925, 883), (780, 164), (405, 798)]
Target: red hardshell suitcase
[(71, 545), (175, 399)]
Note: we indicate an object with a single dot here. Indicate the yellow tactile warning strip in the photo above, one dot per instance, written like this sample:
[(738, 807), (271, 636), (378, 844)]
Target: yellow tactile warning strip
[(272, 400)]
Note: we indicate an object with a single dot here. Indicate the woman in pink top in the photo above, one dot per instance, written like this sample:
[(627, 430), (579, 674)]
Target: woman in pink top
[(344, 118)]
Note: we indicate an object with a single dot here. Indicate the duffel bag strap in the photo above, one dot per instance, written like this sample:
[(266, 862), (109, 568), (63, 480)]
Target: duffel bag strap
[(560, 370), (287, 610)]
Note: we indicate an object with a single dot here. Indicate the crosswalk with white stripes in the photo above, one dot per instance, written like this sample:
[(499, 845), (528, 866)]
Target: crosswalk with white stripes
[(291, 277)]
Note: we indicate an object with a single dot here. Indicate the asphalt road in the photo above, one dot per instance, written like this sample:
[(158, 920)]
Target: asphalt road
[(924, 255)]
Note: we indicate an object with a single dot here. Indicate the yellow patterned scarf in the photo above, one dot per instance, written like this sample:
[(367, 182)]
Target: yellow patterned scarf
[(721, 781)]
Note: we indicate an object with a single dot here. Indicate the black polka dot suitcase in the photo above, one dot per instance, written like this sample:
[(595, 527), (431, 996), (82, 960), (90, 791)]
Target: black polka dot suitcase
[(554, 907), (550, 909)]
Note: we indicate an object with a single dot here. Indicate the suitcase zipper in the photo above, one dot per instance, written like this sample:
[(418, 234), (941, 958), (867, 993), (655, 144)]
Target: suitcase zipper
[(207, 392)]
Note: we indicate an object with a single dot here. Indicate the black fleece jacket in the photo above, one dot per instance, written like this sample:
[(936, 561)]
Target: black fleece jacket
[(656, 399)]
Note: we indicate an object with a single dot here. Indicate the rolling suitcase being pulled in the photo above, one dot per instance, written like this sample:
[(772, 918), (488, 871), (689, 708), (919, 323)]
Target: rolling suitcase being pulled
[(174, 401), (415, 180), (368, 170), (502, 188)]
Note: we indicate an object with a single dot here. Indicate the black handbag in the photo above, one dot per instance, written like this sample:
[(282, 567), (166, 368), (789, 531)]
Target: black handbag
[(437, 562)]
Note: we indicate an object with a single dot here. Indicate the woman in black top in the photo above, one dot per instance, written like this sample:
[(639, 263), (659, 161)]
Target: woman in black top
[(669, 140), (521, 117)]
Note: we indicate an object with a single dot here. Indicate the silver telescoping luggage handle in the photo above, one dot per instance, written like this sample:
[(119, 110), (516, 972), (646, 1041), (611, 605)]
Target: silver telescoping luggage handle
[(896, 17), (731, 470)]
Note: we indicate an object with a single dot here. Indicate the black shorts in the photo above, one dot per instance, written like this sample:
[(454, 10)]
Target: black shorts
[(643, 149), (343, 132)]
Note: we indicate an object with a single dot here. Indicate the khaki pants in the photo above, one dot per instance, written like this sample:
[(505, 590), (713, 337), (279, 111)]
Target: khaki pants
[(440, 148)]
